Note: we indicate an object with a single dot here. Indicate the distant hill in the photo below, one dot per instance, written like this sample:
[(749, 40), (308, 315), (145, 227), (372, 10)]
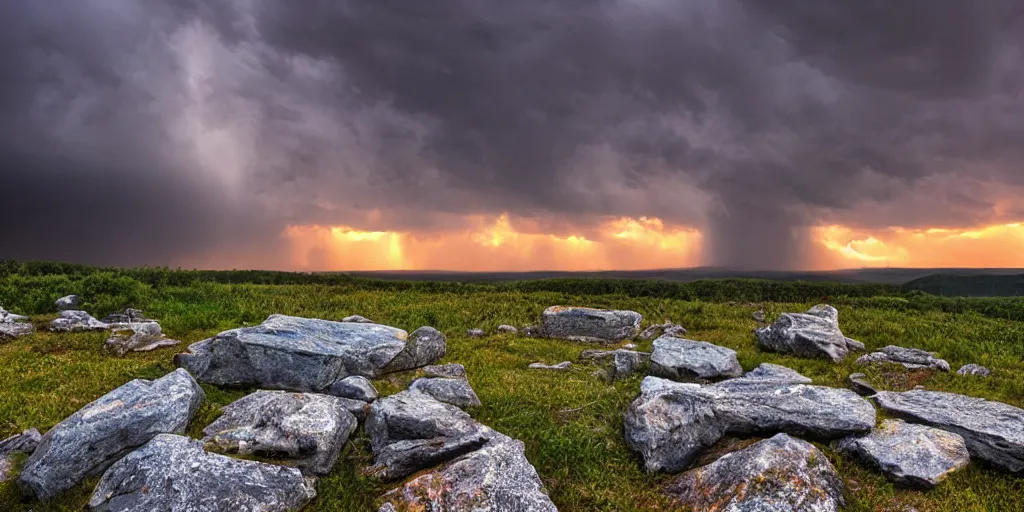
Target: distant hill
[(952, 285)]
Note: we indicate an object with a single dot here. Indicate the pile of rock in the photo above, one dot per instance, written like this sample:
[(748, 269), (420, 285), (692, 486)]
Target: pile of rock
[(812, 334), (14, 326)]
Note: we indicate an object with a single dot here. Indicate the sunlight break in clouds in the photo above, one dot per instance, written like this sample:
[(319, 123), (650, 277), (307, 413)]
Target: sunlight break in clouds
[(1000, 245)]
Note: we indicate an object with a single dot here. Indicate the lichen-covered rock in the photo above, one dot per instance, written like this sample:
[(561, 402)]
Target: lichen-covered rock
[(456, 392), (973, 369), (424, 346), (912, 455), (812, 334), (76, 321), (68, 302), (14, 326), (564, 365), (137, 337), (448, 371), (359, 319), (911, 358), (475, 333), (507, 329), (859, 383), (780, 474), (682, 359), (355, 387), (292, 353), (308, 428), (172, 473), (25, 442), (91, 439), (590, 325), (671, 422), (495, 478), (993, 431)]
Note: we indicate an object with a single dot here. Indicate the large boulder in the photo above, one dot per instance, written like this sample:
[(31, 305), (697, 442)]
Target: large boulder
[(25, 442), (68, 302), (993, 431), (14, 326), (590, 325), (812, 334), (908, 454), (671, 422), (424, 346), (88, 441), (910, 358), (682, 359), (308, 428), (76, 321), (779, 474), (173, 473), (456, 392), (292, 353)]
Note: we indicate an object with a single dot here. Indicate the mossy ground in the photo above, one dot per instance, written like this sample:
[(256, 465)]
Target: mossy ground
[(571, 422)]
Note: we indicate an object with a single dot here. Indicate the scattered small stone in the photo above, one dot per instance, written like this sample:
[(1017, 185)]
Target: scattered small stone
[(76, 321), (564, 365), (780, 474), (973, 369), (14, 326), (682, 359), (25, 442), (475, 333), (859, 383), (359, 319), (629, 346), (910, 358), (448, 371), (590, 325), (456, 392), (424, 346), (911, 455), (68, 302), (812, 334), (507, 329), (759, 317), (355, 387)]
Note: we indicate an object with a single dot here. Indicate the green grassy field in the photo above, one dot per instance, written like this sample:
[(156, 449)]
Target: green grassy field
[(571, 422)]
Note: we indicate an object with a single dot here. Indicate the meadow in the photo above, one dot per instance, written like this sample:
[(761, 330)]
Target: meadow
[(571, 422)]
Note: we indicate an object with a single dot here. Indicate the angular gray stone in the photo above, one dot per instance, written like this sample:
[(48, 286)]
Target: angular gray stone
[(776, 373), (68, 302), (590, 325), (448, 371), (508, 329), (859, 383), (411, 415), (425, 345), (137, 337), (359, 319), (780, 474), (627, 362), (475, 333), (403, 458), (993, 431), (88, 441), (76, 321), (456, 392), (357, 408), (24, 442), (973, 369), (292, 353), (355, 387), (564, 365), (308, 428), (172, 473), (14, 326), (911, 358), (911, 455), (682, 359), (812, 334), (671, 422)]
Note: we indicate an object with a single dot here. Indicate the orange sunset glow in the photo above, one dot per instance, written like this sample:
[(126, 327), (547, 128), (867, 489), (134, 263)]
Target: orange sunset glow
[(999, 245)]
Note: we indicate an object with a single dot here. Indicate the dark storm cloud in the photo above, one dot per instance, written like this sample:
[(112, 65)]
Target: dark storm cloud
[(752, 119)]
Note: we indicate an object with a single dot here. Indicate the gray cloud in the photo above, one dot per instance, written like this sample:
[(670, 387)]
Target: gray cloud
[(214, 127)]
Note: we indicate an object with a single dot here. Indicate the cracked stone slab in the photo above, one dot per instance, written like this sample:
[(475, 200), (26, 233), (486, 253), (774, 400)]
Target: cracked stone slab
[(912, 455)]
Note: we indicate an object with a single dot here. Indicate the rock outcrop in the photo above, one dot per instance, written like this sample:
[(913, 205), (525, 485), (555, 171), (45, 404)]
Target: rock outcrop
[(307, 428), (424, 346), (682, 359), (68, 302), (911, 455), (355, 387), (72, 320), (174, 473), (812, 334), (974, 369), (14, 326), (91, 439), (590, 325), (456, 392), (25, 442), (910, 358)]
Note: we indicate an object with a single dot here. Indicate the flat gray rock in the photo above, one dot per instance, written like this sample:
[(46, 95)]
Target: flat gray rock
[(671, 422), (812, 334), (14, 326), (308, 428), (359, 319), (292, 353), (973, 369), (174, 474), (424, 346), (590, 325), (76, 321), (68, 302), (449, 371), (911, 358), (993, 431), (456, 392), (564, 365), (911, 455), (25, 442), (355, 387), (780, 474), (682, 359), (475, 333), (88, 441), (507, 329), (860, 384)]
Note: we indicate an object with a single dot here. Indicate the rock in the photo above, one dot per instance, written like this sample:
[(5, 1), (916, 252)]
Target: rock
[(14, 326), (859, 383), (173, 473), (76, 321), (91, 439), (425, 345), (448, 371), (355, 387), (68, 302), (682, 359), (973, 369), (671, 422), (139, 337), (993, 431), (812, 334), (776, 373), (358, 319), (456, 392), (590, 325), (911, 358), (292, 353), (674, 331), (663, 329), (357, 408), (912, 455), (475, 333), (759, 317), (508, 329), (403, 458), (24, 442), (629, 346), (778, 474), (129, 316), (626, 363), (306, 427), (564, 365)]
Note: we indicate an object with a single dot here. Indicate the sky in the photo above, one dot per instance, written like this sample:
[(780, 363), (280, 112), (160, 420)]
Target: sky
[(528, 135)]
